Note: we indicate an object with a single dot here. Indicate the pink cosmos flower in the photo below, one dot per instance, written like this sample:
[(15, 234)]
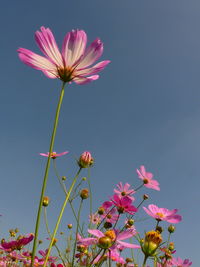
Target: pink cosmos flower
[(147, 178), (181, 263), (95, 218), (16, 244), (73, 63), (123, 204), (110, 216), (86, 160), (123, 190), (54, 155), (116, 237), (163, 214)]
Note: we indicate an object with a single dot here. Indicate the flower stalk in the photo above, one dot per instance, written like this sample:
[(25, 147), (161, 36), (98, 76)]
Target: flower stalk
[(46, 173)]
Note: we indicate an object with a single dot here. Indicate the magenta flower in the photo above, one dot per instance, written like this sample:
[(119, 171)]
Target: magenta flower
[(181, 263), (54, 155), (123, 204), (16, 244), (110, 216), (162, 214), (73, 63), (123, 190), (147, 178)]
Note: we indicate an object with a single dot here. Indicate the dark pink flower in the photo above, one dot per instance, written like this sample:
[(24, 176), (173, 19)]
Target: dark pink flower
[(54, 155), (163, 214), (147, 178), (123, 204), (123, 190), (73, 63), (16, 244)]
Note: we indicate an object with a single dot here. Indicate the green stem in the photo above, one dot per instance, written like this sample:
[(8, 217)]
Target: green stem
[(49, 232), (77, 226), (144, 262), (46, 174), (139, 187), (60, 216), (90, 191)]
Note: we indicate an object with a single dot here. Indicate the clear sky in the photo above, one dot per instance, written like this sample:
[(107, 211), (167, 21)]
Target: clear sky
[(144, 109)]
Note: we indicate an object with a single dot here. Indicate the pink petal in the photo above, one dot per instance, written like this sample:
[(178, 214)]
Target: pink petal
[(84, 80), (63, 153), (128, 245), (175, 219), (43, 154), (124, 235), (93, 52), (74, 46), (96, 233), (95, 69), (36, 61), (48, 46)]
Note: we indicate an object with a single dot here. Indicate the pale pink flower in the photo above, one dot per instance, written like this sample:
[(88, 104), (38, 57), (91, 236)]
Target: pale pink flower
[(123, 190), (123, 204), (147, 178), (95, 218), (73, 63), (178, 262), (54, 155), (110, 216), (163, 214), (118, 237)]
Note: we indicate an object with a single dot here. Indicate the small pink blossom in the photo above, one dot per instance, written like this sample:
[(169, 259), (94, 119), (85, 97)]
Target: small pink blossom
[(178, 262), (54, 155), (147, 178), (73, 63), (123, 204), (95, 218), (110, 216), (163, 214), (123, 190), (86, 160)]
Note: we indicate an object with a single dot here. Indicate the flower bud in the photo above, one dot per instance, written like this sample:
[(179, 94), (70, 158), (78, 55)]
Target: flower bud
[(16, 230), (145, 197), (101, 211), (171, 229), (130, 222), (105, 242), (84, 193), (54, 241), (64, 178), (45, 202), (151, 243), (67, 250), (159, 229), (40, 242), (69, 226), (171, 246), (85, 160), (107, 225), (84, 179), (128, 260)]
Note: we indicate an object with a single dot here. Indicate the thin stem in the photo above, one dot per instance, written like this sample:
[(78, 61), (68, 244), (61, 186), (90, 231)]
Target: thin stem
[(144, 262), (77, 225), (46, 174), (60, 215), (139, 187), (49, 232), (90, 191), (96, 256)]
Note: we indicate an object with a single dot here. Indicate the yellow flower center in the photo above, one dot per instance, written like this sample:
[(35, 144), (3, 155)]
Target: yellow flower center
[(161, 215), (153, 236), (111, 234)]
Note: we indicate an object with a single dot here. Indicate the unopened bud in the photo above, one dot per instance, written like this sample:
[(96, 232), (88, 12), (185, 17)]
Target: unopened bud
[(105, 242), (67, 250), (84, 178), (40, 242), (171, 229), (171, 246), (101, 211), (54, 241), (151, 243), (145, 197), (64, 178), (45, 202), (130, 222), (84, 193), (107, 225), (85, 160), (69, 226), (159, 229), (61, 233), (16, 230), (128, 260)]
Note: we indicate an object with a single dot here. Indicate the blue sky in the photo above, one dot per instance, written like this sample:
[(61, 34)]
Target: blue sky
[(144, 109)]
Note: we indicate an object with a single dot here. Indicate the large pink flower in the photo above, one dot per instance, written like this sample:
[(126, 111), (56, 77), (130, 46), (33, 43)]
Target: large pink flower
[(73, 63), (163, 214), (147, 178)]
